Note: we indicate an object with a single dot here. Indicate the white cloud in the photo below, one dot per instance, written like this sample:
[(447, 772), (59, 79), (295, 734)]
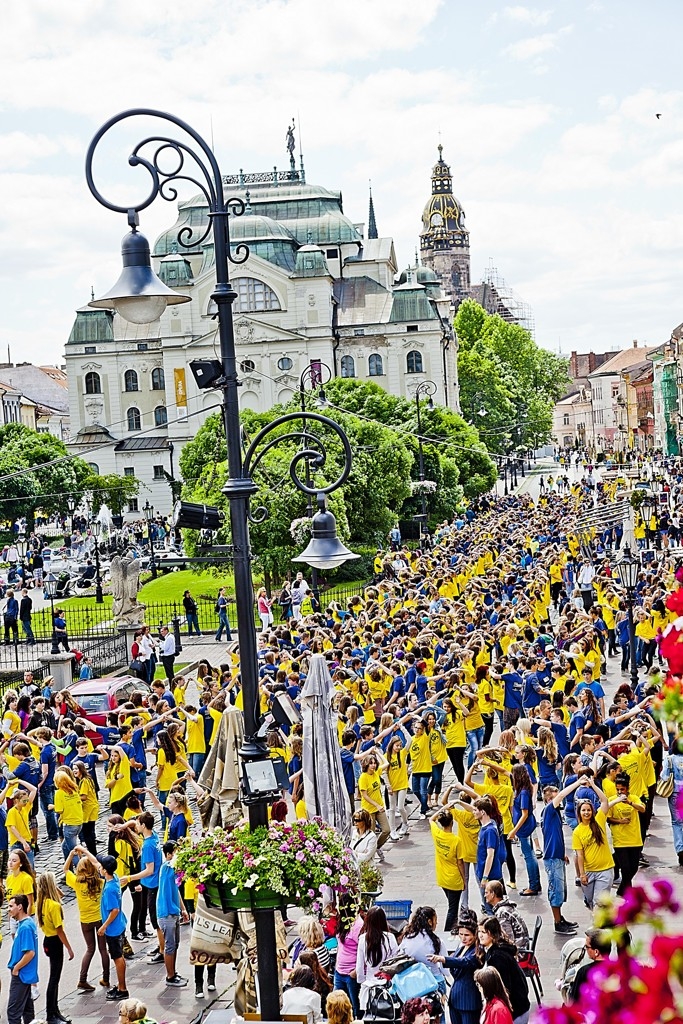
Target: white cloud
[(534, 46), (528, 15)]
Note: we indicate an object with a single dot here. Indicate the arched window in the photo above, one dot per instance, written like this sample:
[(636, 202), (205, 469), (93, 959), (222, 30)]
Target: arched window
[(247, 366), (375, 366), (253, 295), (160, 416), (133, 417), (348, 366), (414, 362), (130, 380), (94, 467), (158, 380), (93, 384)]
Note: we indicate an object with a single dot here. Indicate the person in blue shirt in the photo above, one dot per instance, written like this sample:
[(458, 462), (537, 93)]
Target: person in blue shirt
[(150, 859), (554, 853), (524, 826), (114, 921), (174, 812), (170, 910), (489, 863), (46, 789), (23, 962), (595, 687), (512, 701)]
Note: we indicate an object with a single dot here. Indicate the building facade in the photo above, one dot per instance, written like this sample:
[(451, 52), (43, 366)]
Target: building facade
[(313, 288)]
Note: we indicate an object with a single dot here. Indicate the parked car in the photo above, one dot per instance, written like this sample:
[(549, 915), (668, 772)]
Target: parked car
[(97, 697)]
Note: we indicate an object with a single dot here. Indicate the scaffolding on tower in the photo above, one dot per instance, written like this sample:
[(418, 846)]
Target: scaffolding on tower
[(499, 299)]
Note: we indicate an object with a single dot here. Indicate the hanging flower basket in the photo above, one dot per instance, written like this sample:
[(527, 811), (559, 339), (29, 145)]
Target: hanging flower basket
[(275, 864)]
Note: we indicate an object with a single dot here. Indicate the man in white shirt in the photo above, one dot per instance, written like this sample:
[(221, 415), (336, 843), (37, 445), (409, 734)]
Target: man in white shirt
[(167, 651), (585, 581)]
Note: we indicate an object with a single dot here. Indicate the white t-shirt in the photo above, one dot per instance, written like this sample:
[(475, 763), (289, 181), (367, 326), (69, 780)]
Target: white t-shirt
[(302, 1001)]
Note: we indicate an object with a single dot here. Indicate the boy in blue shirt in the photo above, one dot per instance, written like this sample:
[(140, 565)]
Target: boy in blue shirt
[(23, 962), (554, 854), (151, 859), (114, 922), (170, 909)]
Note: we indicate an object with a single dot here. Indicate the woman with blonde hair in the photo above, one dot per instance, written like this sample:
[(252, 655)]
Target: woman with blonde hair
[(87, 883), (312, 939), (132, 1011), (51, 920), (117, 779), (69, 809), (339, 1008), (91, 806), (20, 879), (17, 821)]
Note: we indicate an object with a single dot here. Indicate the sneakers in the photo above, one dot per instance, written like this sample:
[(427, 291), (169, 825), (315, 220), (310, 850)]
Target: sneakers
[(156, 958), (380, 857), (565, 928), (104, 982), (211, 986), (395, 836), (572, 924), (199, 992), (115, 995), (176, 981), (84, 986)]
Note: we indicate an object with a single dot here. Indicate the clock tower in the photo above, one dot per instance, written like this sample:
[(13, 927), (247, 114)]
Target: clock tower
[(444, 240)]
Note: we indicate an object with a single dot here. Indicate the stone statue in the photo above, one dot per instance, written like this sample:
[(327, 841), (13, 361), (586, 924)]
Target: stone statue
[(289, 141), (125, 581)]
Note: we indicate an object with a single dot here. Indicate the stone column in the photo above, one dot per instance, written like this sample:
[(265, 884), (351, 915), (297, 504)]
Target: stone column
[(60, 667)]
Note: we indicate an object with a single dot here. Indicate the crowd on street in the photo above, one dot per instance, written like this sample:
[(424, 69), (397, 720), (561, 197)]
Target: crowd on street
[(471, 704)]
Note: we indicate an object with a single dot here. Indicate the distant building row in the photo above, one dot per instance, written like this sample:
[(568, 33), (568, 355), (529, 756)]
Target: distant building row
[(627, 400), (35, 396)]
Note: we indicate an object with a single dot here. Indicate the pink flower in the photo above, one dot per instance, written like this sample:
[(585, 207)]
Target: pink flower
[(301, 855)]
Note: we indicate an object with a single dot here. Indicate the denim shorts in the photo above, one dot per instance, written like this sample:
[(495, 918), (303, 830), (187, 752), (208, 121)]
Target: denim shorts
[(557, 881), (170, 926)]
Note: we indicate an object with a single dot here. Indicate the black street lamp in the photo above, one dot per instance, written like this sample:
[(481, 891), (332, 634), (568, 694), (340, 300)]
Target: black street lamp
[(50, 587), (425, 389), (627, 571), (141, 297), (97, 530), (313, 378), (149, 516), (482, 411), (648, 509)]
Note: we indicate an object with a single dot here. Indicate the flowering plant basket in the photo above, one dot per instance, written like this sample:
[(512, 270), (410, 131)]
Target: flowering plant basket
[(275, 863)]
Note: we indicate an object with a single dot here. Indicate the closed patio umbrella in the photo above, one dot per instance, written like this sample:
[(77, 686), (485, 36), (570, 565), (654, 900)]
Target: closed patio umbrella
[(325, 793)]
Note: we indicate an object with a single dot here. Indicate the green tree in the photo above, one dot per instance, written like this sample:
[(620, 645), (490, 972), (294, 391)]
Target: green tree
[(36, 473), (111, 490)]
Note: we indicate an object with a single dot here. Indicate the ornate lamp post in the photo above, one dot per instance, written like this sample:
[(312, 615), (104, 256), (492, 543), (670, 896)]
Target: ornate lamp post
[(313, 378), (50, 585), (425, 389), (140, 296), (648, 509), (97, 531), (149, 516), (627, 570), (71, 506)]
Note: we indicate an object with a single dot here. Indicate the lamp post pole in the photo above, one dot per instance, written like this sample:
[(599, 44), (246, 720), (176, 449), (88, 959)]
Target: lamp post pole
[(628, 570), (149, 516), (315, 376), (425, 389), (138, 286), (97, 529)]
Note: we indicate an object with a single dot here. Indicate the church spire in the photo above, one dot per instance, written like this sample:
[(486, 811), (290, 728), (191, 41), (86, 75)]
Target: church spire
[(372, 223)]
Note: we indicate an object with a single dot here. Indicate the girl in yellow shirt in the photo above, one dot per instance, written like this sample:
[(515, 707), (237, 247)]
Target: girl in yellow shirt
[(87, 883), (69, 809), (396, 774), (91, 807), (117, 779), (421, 761), (55, 941)]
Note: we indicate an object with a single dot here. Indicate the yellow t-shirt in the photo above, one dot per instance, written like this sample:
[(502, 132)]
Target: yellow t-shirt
[(17, 884), (397, 771), (626, 830), (420, 755), (69, 807), (595, 858), (370, 786), (53, 918), (125, 858), (447, 852), (18, 817), (91, 807), (196, 744), (455, 730), (167, 773), (122, 785), (468, 830), (88, 906), (437, 746), (504, 795)]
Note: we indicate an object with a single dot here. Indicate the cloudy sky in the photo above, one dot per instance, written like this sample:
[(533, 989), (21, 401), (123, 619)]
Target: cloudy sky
[(571, 184)]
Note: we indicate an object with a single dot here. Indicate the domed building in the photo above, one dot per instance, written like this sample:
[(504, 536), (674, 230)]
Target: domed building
[(444, 240), (316, 286)]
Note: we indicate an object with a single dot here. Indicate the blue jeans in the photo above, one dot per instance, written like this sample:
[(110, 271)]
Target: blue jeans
[(676, 823), (345, 983), (26, 626), (475, 741), (197, 763), (193, 624), (47, 796), (70, 840), (531, 862), (436, 779), (223, 624), (420, 785)]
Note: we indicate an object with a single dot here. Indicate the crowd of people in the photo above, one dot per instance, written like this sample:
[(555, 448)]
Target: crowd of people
[(470, 704)]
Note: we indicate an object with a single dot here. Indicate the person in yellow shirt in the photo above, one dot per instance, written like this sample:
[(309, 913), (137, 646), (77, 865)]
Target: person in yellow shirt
[(589, 840), (68, 807), (448, 863), (55, 941), (421, 761), (196, 742), (371, 799), (624, 823), (396, 774), (117, 780), (17, 821), (437, 751), (91, 807), (87, 883)]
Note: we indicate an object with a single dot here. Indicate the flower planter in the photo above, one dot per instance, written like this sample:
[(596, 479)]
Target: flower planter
[(218, 894)]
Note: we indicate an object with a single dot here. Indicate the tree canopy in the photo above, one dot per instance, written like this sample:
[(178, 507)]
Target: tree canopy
[(508, 383)]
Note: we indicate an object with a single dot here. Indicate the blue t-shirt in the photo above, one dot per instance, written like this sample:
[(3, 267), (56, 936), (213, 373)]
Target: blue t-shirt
[(25, 940), (48, 756), (514, 685), (177, 826), (489, 839), (110, 735), (523, 802), (151, 854), (347, 760), (111, 900), (553, 838), (168, 896), (28, 770)]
